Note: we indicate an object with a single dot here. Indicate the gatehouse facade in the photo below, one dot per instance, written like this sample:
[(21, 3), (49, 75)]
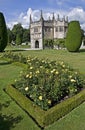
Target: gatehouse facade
[(47, 29)]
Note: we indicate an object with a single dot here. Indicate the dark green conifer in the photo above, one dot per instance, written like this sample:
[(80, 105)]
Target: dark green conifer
[(3, 33), (74, 37)]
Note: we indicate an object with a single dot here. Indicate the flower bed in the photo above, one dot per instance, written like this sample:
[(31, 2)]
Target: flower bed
[(47, 90), (48, 83), (45, 118)]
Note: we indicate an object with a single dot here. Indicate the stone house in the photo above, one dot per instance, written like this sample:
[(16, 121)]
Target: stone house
[(47, 29)]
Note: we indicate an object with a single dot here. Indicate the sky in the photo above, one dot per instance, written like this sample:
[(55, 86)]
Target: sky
[(18, 11)]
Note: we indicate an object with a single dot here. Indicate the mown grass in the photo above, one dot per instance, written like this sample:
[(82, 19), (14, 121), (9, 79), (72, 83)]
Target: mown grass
[(76, 60), (12, 117)]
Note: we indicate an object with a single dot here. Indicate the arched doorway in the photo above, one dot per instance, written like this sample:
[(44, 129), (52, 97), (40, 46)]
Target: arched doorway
[(36, 44)]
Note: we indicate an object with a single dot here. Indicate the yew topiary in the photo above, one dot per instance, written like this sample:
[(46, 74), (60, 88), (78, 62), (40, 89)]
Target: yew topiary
[(74, 37), (3, 33)]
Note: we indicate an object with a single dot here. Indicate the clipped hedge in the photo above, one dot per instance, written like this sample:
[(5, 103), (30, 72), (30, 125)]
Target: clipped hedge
[(64, 108), (45, 118), (74, 37), (34, 111)]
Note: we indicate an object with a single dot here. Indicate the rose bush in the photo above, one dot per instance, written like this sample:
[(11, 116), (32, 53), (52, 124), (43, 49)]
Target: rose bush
[(48, 82)]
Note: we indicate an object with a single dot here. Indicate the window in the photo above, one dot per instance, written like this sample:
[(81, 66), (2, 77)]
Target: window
[(45, 29), (48, 29), (60, 29), (56, 29), (35, 29)]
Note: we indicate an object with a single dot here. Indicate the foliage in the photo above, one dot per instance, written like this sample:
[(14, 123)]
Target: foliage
[(60, 43), (18, 39), (64, 108), (15, 57), (26, 35), (48, 82), (18, 32), (3, 33), (10, 72), (33, 110), (10, 36), (45, 118), (74, 37), (48, 43)]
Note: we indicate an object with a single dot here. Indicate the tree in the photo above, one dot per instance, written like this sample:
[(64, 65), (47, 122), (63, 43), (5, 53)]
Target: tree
[(3, 33), (17, 30), (18, 39), (26, 35), (74, 37), (10, 36)]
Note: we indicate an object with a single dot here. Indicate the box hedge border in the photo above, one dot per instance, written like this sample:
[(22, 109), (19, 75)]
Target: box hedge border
[(45, 118)]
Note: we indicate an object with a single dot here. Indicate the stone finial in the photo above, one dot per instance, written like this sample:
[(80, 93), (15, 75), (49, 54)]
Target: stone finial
[(41, 16), (53, 16), (30, 19), (58, 17), (67, 18), (64, 18)]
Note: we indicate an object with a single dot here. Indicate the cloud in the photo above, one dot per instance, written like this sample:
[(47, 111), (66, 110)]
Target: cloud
[(77, 13)]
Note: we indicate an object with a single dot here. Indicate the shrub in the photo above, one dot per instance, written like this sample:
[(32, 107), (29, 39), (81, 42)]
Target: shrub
[(48, 43), (33, 110), (74, 37), (3, 33), (47, 82), (15, 57), (45, 118), (60, 43)]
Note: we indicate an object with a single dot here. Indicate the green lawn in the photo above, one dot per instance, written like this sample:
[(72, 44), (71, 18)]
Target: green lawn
[(76, 60), (12, 117)]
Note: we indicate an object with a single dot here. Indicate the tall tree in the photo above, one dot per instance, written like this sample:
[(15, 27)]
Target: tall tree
[(17, 30), (18, 39), (3, 32), (10, 36), (26, 35)]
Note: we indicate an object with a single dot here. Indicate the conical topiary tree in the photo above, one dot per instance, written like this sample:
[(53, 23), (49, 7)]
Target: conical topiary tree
[(3, 33), (74, 37)]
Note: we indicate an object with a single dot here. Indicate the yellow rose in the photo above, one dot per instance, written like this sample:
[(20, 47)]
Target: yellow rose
[(26, 89), (37, 72), (30, 76), (40, 98), (27, 75), (31, 68), (49, 101), (56, 72), (73, 80)]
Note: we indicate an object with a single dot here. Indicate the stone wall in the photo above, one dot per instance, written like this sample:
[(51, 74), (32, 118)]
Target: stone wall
[(50, 29)]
